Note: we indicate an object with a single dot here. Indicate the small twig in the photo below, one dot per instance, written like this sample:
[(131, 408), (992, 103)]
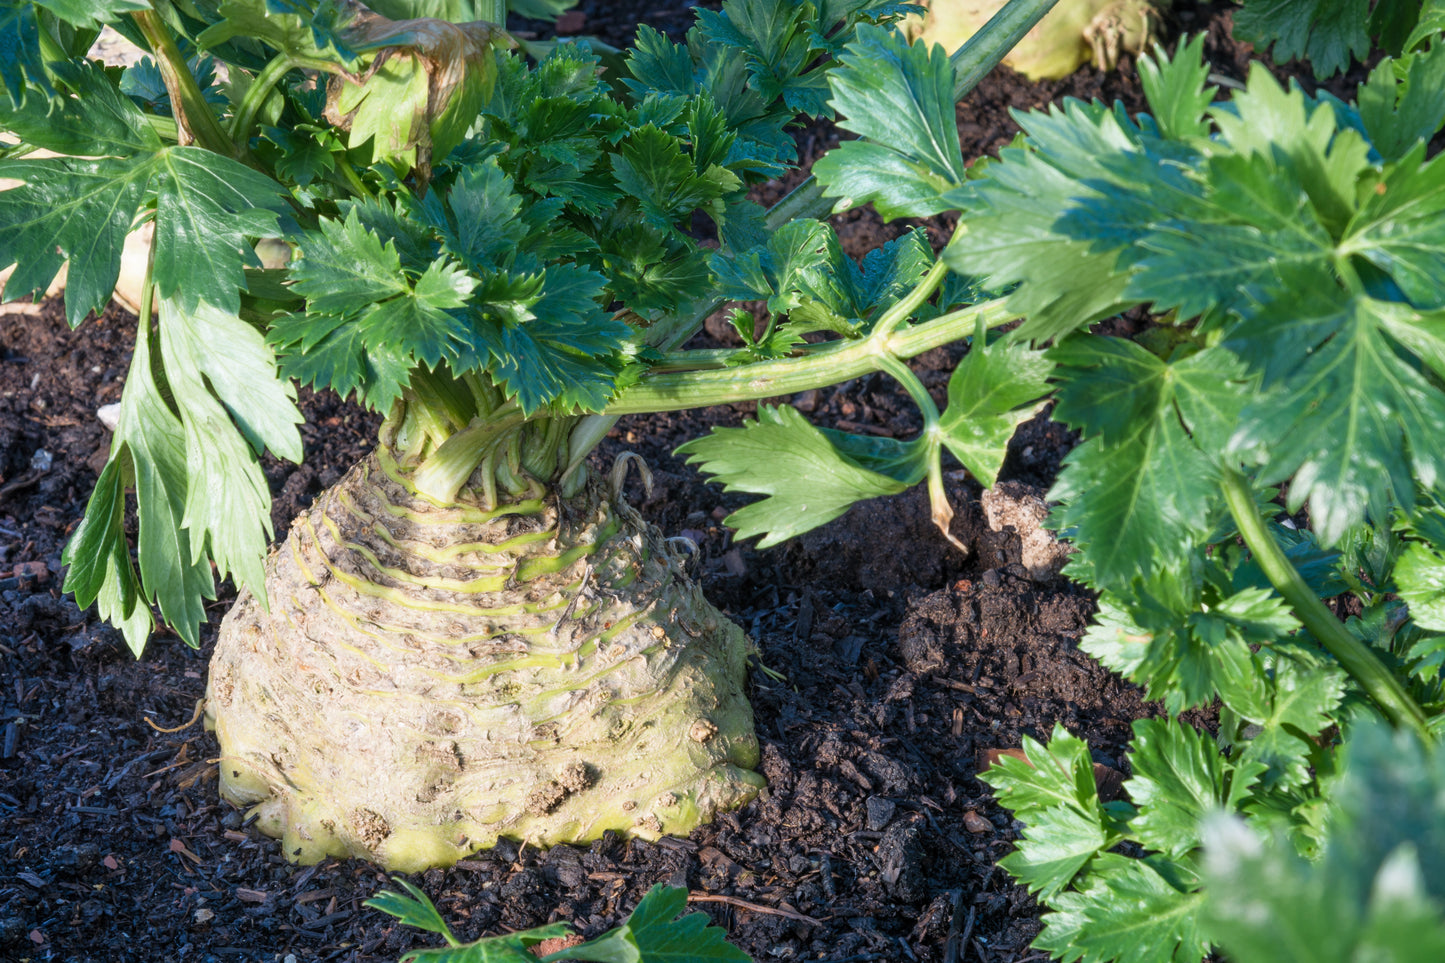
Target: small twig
[(754, 907), (200, 707)]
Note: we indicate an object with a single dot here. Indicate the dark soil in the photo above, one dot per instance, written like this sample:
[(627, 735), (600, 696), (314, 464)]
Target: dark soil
[(895, 664)]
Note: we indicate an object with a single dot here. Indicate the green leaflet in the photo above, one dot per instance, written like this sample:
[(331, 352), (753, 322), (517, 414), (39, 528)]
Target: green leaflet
[(994, 389), (80, 211), (1397, 116), (899, 97), (1327, 33), (200, 492), (807, 477), (1054, 792), (1374, 894), (1420, 577), (1179, 775), (654, 933), (1367, 407), (99, 567), (1139, 493), (1131, 911), (151, 442), (1301, 702), (224, 378), (1015, 236), (803, 273)]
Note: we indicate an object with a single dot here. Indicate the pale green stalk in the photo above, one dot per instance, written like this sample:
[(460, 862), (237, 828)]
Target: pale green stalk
[(1353, 655)]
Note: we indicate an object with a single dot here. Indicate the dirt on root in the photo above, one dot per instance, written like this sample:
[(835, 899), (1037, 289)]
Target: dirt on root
[(890, 665)]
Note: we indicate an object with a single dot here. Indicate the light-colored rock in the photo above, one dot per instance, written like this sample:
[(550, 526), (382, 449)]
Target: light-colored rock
[(109, 416), (1022, 508)]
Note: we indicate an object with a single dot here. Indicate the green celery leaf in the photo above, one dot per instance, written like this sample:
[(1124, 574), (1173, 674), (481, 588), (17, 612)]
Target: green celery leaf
[(1054, 793), (1349, 421), (899, 97), (1420, 581), (807, 480), (1141, 494), (1430, 25), (1055, 845), (92, 13), (307, 154), (650, 165), (773, 36), (1303, 135), (1059, 774), (477, 217), (343, 361), (68, 210), (20, 57), (1400, 112), (1210, 388), (1157, 636), (654, 933), (390, 221), (658, 64), (1176, 89), (1129, 911), (1327, 33), (1376, 892), (1015, 233), (1108, 386), (414, 908), (1258, 221), (346, 269), (174, 574), (99, 564), (548, 341), (224, 378), (1301, 703), (206, 208), (1399, 227), (994, 389), (423, 323), (97, 120), (804, 273), (1179, 775)]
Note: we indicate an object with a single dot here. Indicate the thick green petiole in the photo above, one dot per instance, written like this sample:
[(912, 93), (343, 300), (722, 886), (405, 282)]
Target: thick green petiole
[(824, 365), (1363, 665), (194, 114), (985, 49)]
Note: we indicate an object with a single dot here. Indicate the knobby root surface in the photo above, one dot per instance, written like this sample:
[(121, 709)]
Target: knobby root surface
[(429, 679)]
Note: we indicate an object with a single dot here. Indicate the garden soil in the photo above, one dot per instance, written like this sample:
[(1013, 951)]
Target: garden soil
[(891, 666)]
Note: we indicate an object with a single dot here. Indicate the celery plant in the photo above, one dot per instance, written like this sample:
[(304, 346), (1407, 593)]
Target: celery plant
[(470, 636)]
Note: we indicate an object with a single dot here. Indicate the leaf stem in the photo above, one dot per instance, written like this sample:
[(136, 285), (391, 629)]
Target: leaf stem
[(985, 49), (193, 114), (1362, 664), (804, 201), (824, 365), (903, 310), (260, 89)]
